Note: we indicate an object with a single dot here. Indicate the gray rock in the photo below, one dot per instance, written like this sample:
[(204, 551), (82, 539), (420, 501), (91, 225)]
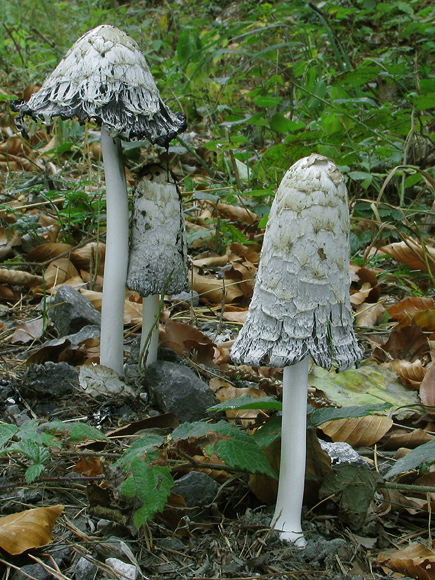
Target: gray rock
[(88, 331), (35, 571), (71, 311), (124, 570), (85, 570), (191, 297), (51, 379), (341, 452), (176, 388), (197, 489)]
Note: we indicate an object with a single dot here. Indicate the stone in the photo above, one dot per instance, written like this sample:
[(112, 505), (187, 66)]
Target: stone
[(51, 379), (85, 569), (125, 570), (71, 311), (176, 388), (197, 489), (35, 571)]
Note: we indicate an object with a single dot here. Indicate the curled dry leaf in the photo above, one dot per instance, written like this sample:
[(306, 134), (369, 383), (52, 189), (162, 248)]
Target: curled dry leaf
[(427, 387), (416, 561), (90, 257), (411, 373), (368, 315), (410, 439), (358, 431), (250, 253), (406, 308), (19, 278), (411, 254), (237, 213), (49, 251), (57, 273), (28, 331), (29, 529), (407, 343), (211, 289), (185, 339), (211, 262)]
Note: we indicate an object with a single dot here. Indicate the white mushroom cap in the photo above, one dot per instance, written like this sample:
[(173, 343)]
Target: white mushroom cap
[(158, 248), (300, 304), (105, 77)]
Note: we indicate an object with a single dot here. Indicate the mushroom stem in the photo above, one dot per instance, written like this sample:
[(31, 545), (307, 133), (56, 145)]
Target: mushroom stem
[(116, 261), (287, 517), (150, 324)]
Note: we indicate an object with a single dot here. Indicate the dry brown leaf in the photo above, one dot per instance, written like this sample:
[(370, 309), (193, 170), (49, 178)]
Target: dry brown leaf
[(89, 466), (8, 240), (185, 339), (7, 294), (411, 254), (410, 439), (360, 296), (427, 387), (90, 257), (29, 529), (237, 213), (407, 343), (49, 251), (235, 314), (368, 315), (358, 431), (411, 373), (19, 278), (28, 331), (211, 289), (94, 297), (211, 262), (57, 273), (250, 253), (416, 561), (246, 271), (406, 308)]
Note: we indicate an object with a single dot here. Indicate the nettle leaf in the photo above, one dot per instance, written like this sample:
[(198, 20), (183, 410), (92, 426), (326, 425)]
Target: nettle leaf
[(32, 430), (6, 433), (33, 472), (320, 416), (32, 450), (152, 485), (423, 454), (197, 429), (247, 402), (139, 449), (76, 431)]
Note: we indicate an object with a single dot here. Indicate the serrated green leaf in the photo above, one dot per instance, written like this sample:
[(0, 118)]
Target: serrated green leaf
[(245, 453), (422, 454), (6, 433), (152, 485), (139, 449), (28, 448), (33, 431), (76, 431), (320, 416), (33, 472), (197, 429), (269, 432)]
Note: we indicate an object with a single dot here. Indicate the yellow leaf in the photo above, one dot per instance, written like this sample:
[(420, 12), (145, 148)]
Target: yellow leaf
[(29, 529)]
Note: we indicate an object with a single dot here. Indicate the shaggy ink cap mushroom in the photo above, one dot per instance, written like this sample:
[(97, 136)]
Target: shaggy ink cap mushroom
[(158, 248), (105, 78), (301, 304)]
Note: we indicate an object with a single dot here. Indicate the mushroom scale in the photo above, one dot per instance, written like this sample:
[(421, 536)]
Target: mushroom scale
[(105, 77), (300, 304), (158, 248)]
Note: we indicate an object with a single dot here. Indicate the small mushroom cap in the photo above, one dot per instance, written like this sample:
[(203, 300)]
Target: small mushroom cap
[(301, 304), (105, 77), (158, 249)]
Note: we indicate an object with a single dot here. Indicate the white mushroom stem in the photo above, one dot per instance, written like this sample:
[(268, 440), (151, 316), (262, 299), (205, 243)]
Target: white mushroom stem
[(150, 324), (116, 261), (287, 518)]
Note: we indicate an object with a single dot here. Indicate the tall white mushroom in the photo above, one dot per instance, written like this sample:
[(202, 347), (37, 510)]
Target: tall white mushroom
[(301, 307), (104, 77), (158, 249)]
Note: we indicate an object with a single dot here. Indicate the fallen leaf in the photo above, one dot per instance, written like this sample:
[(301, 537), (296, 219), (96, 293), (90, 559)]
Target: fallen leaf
[(358, 431), (407, 343), (416, 561), (49, 251), (19, 278), (406, 308), (211, 289), (368, 315), (185, 339), (411, 373), (89, 466), (90, 257), (28, 331), (410, 439), (29, 529), (411, 254), (427, 387)]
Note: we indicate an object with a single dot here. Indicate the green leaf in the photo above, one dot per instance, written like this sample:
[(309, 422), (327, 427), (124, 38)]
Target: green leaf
[(269, 432), (320, 416), (423, 102), (152, 485), (6, 433), (281, 124), (188, 47), (423, 454), (197, 429), (76, 431), (247, 402), (139, 449), (258, 120), (243, 452), (33, 472), (267, 102), (31, 450), (353, 488)]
